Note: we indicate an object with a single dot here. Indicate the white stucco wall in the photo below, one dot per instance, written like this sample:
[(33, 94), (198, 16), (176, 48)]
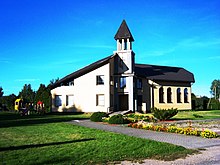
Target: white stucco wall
[(63, 92), (85, 91)]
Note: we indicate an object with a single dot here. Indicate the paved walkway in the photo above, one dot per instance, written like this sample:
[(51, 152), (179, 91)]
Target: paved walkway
[(192, 142)]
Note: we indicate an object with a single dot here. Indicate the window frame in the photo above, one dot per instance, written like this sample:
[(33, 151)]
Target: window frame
[(100, 102), (58, 100), (169, 95), (69, 102), (100, 80), (161, 95), (186, 96), (122, 82), (178, 95)]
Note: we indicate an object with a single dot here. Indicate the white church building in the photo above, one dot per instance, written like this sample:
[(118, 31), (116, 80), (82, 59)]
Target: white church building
[(117, 83)]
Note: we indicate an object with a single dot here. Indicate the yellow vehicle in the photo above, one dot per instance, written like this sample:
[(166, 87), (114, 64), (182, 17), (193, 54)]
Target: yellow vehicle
[(18, 104)]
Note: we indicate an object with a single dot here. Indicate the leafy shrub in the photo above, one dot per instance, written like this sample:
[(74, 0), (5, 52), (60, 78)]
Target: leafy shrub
[(97, 116), (164, 114), (118, 119)]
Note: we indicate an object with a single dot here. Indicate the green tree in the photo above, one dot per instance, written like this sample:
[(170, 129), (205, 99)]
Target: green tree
[(7, 102), (1, 92), (215, 89), (43, 94), (53, 81), (199, 102), (27, 94)]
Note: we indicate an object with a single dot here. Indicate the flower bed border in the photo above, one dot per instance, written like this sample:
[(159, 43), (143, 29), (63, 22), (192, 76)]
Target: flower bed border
[(205, 133)]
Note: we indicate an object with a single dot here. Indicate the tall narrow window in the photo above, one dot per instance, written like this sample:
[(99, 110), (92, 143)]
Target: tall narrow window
[(100, 100), (58, 100), (161, 95), (178, 94), (139, 83), (69, 100), (185, 95), (122, 82), (169, 95), (100, 80)]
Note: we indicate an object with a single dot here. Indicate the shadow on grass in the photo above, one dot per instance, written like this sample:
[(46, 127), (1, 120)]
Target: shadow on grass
[(11, 148), (14, 119)]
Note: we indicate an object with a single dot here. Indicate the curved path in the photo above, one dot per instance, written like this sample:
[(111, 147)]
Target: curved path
[(209, 156)]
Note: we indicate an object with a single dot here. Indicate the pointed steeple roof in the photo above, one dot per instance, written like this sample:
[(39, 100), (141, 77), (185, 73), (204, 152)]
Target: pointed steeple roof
[(123, 32)]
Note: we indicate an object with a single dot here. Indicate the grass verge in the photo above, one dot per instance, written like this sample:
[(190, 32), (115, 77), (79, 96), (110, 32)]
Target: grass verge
[(63, 143), (197, 115)]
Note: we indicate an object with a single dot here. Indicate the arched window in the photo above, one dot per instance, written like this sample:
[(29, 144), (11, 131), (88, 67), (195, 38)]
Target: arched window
[(185, 95), (161, 93), (169, 95), (178, 94)]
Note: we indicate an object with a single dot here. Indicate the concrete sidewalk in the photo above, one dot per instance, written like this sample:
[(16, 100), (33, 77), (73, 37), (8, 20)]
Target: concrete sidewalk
[(192, 142)]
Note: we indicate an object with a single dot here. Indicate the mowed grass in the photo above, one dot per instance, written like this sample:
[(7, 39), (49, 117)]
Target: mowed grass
[(197, 115), (49, 140)]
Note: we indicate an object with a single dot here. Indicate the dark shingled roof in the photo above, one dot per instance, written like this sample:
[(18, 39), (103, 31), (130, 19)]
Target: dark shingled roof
[(164, 73), (82, 71), (152, 72), (123, 32)]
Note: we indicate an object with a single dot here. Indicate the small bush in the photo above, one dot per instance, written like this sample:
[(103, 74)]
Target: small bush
[(118, 119), (97, 116), (164, 114)]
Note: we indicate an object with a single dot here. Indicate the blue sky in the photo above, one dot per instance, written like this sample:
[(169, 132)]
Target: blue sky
[(41, 40)]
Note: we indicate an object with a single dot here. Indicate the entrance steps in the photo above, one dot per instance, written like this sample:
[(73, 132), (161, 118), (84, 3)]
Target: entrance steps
[(120, 112)]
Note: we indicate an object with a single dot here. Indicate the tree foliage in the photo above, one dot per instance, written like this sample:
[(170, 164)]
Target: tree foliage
[(7, 102), (43, 94), (27, 94), (199, 103), (1, 92), (53, 81), (215, 88), (164, 114)]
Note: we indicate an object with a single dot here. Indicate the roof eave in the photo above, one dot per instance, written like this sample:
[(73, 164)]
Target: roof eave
[(82, 71)]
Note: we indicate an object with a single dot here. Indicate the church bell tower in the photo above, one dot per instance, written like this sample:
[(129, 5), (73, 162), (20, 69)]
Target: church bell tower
[(124, 40), (124, 92)]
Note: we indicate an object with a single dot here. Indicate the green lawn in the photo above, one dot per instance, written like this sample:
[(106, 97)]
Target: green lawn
[(197, 115), (49, 140)]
